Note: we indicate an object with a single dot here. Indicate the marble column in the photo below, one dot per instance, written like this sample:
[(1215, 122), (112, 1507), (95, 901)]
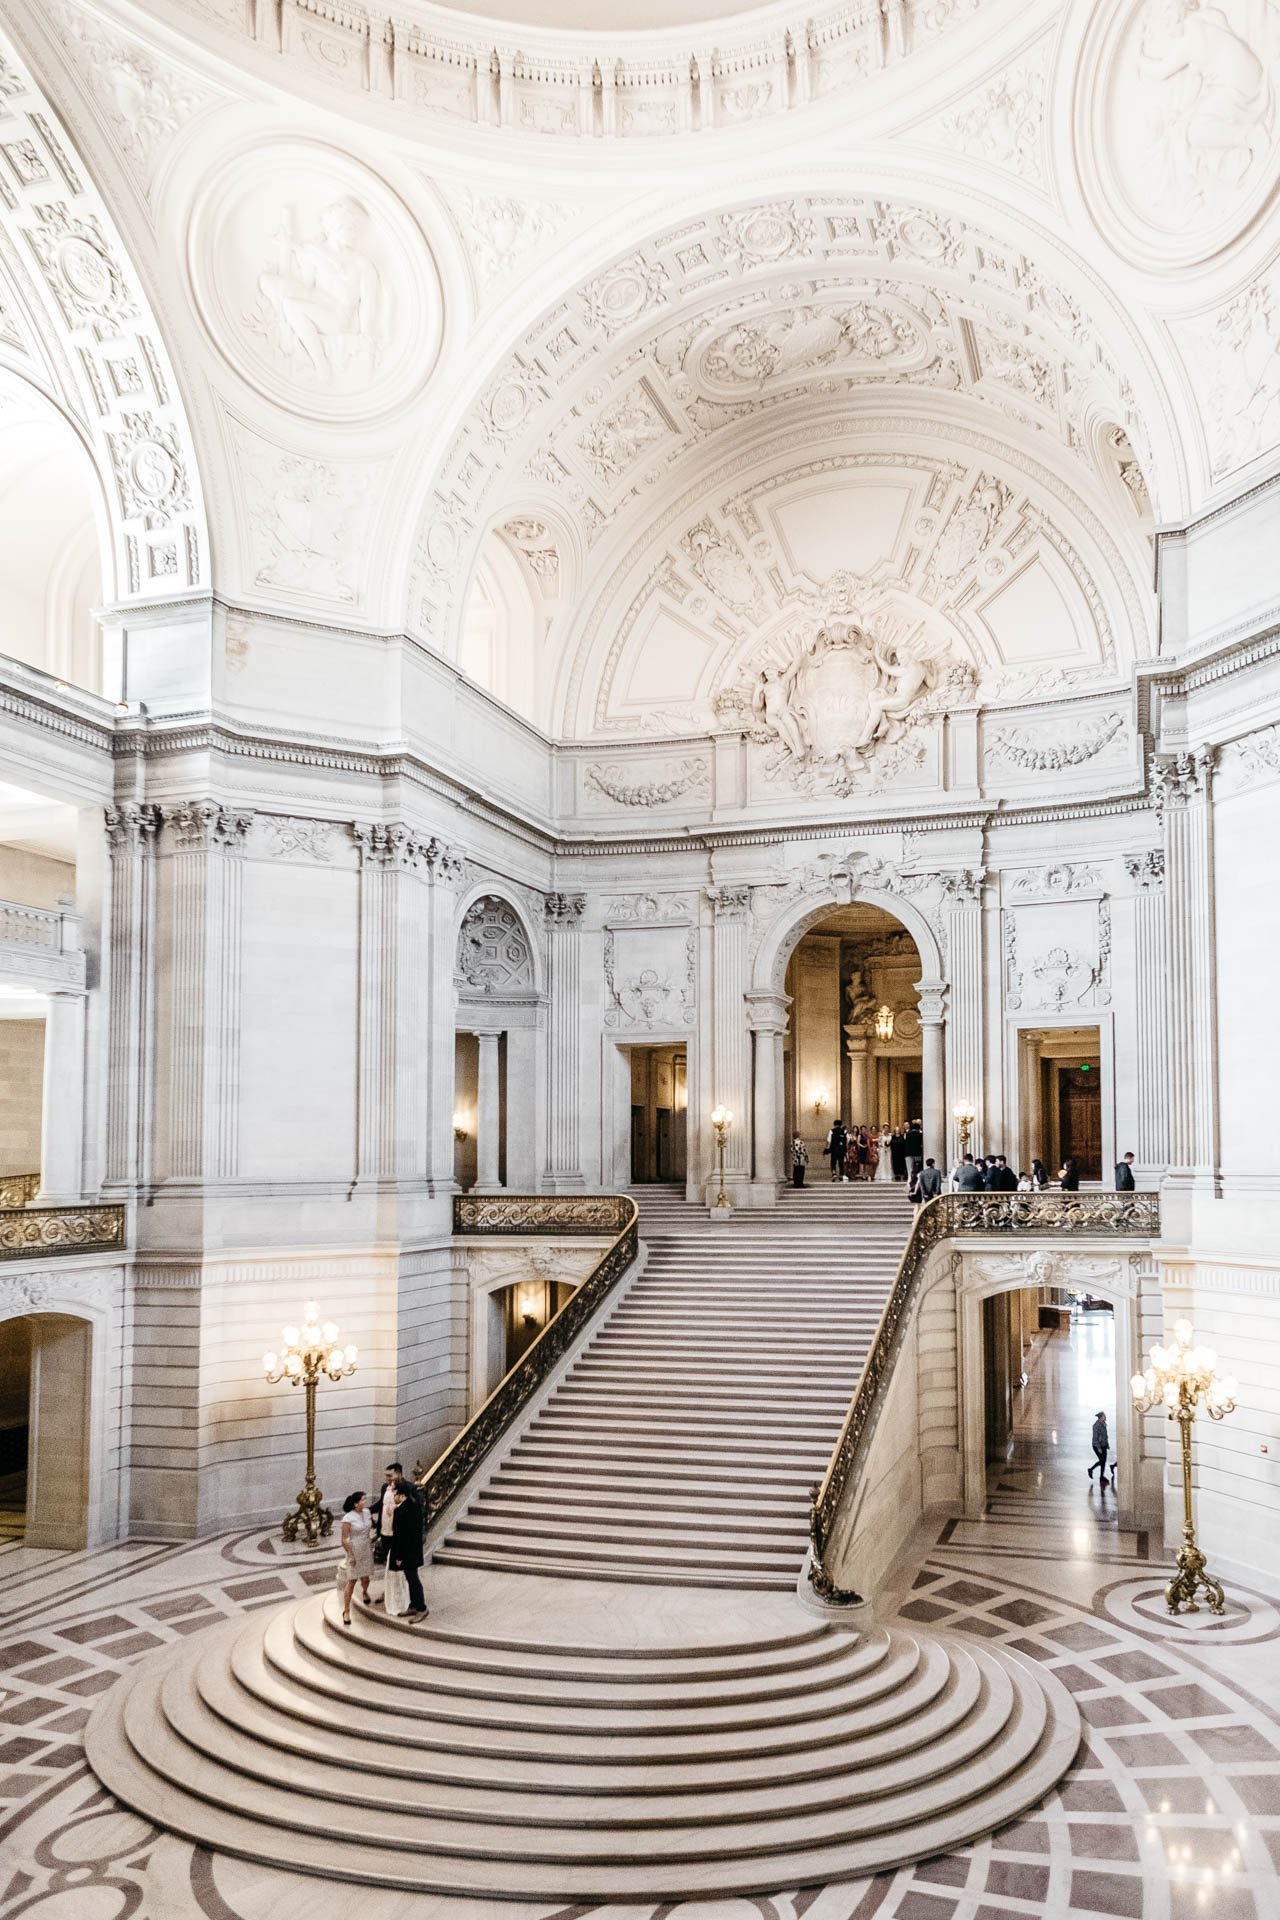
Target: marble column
[(563, 918), (859, 1050), (206, 843), (1181, 786), (933, 1047), (130, 971), (1151, 966), (767, 1019), (62, 1115), (731, 1057), (447, 873), (965, 998), (488, 1115)]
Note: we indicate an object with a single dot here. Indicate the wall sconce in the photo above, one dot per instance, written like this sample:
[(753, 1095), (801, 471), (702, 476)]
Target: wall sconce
[(721, 1120), (528, 1304), (965, 1115), (884, 1023), (459, 1131), (819, 1102)]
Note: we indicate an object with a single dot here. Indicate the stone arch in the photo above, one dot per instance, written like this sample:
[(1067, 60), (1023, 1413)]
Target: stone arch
[(84, 333), (784, 933)]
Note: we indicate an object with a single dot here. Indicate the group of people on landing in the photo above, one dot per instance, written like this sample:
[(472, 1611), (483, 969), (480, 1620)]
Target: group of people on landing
[(387, 1530), (867, 1154), (864, 1153)]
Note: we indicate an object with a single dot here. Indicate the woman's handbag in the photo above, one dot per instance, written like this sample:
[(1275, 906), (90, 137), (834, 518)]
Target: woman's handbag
[(342, 1574), (395, 1594)]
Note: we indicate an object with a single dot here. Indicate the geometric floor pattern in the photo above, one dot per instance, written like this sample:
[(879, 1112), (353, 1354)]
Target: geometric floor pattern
[(1171, 1810)]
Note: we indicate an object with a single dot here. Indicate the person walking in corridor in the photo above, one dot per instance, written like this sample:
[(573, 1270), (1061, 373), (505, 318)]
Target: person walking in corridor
[(1101, 1448), (1125, 1182), (799, 1160)]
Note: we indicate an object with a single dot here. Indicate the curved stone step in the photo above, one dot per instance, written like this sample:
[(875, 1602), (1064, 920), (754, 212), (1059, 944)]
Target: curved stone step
[(245, 1733)]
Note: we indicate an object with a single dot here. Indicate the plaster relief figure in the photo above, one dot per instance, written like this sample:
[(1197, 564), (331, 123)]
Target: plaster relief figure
[(772, 702), (1214, 98), (907, 677), (323, 298)]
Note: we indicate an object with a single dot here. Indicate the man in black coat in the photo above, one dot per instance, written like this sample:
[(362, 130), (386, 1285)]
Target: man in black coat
[(898, 1153), (406, 1547), (1001, 1177), (1125, 1182), (915, 1149)]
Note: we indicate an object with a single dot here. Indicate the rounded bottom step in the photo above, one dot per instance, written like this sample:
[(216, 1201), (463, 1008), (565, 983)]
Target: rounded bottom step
[(652, 1771)]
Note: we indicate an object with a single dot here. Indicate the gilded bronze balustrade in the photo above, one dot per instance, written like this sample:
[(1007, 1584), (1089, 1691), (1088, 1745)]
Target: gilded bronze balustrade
[(28, 1233), (1054, 1215), (18, 1189), (532, 1213)]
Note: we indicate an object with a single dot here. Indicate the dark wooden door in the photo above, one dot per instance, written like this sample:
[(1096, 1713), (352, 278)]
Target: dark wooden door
[(662, 1118), (639, 1146), (1080, 1119)]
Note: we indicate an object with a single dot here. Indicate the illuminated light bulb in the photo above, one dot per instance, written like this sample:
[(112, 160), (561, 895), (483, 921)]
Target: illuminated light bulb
[(270, 1361), (1171, 1394), (293, 1363), (290, 1336), (1183, 1332), (1138, 1385), (335, 1359), (329, 1331), (351, 1356)]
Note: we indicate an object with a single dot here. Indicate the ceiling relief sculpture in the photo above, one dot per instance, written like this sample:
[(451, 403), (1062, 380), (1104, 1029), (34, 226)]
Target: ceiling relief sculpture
[(1185, 120), (324, 297), (731, 318), (844, 693)]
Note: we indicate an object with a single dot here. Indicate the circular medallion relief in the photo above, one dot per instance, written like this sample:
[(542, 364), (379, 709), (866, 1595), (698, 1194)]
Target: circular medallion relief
[(314, 281), (1180, 102)]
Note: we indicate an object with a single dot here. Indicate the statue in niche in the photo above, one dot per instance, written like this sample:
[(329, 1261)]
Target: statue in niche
[(859, 1000), (1214, 93), (323, 298)]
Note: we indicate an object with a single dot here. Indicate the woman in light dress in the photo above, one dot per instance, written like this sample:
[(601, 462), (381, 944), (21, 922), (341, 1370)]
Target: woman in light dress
[(357, 1548), (884, 1163)]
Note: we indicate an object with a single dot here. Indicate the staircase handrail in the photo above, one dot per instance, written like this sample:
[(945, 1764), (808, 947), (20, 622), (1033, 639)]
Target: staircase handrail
[(17, 1189), (1053, 1215), (532, 1213)]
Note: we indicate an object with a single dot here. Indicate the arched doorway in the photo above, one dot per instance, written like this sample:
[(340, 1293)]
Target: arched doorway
[(497, 1068), (45, 1374), (853, 1045)]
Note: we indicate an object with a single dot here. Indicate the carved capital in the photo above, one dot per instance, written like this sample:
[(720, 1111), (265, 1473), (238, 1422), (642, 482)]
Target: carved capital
[(730, 903), (199, 826), (932, 1001), (131, 828), (1178, 778), (1146, 869), (767, 1012), (962, 889), (564, 910)]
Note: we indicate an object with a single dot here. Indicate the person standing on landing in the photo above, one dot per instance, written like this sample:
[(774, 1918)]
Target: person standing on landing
[(799, 1160), (357, 1548), (406, 1546), (836, 1148)]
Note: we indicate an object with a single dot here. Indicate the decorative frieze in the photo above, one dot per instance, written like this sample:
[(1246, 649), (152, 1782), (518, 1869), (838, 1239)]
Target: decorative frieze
[(1244, 763), (652, 996), (685, 778), (1056, 881), (201, 826), (1020, 748), (650, 910), (291, 839)]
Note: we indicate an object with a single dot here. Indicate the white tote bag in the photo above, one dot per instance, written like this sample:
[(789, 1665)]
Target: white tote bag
[(395, 1594)]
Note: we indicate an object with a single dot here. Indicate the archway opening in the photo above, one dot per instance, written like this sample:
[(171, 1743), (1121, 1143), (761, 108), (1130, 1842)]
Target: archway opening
[(1050, 1374), (852, 1050), (1062, 1098), (44, 1429)]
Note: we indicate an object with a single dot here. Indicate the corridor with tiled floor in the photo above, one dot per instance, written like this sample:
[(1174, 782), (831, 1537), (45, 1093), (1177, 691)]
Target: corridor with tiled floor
[(1170, 1811)]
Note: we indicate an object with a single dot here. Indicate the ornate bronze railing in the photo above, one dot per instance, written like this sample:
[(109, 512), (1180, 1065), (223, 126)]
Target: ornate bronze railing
[(17, 1189), (30, 1233), (532, 1213), (1133, 1215)]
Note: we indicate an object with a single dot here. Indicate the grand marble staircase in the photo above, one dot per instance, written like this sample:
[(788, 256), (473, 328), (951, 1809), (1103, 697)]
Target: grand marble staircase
[(617, 1696), (683, 1442)]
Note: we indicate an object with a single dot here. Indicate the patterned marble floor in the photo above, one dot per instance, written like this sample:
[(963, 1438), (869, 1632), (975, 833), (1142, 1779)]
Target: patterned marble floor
[(1171, 1811)]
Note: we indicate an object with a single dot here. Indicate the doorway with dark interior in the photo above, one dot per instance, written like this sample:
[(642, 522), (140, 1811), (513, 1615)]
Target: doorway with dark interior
[(659, 1109)]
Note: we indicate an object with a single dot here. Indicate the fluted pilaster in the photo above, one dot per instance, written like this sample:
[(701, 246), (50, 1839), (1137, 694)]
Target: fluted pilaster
[(563, 918)]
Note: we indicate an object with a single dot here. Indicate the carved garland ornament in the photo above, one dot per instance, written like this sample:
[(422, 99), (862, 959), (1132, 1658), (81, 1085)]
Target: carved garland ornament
[(1021, 749), (612, 781)]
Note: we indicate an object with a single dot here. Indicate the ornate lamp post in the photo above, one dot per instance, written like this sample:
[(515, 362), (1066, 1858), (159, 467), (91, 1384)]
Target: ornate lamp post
[(721, 1120), (965, 1115), (1179, 1378), (307, 1354)]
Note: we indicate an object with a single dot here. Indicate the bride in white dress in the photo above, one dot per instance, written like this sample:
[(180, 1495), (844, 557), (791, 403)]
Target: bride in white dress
[(884, 1165)]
